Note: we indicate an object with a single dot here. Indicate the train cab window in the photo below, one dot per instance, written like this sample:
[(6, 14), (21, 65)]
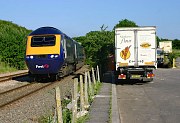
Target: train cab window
[(39, 41)]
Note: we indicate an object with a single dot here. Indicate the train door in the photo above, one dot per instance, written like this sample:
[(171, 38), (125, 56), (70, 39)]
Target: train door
[(63, 43)]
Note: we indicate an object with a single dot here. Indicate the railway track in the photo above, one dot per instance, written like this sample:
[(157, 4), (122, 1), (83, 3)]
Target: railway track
[(11, 76), (10, 96), (28, 103), (13, 95)]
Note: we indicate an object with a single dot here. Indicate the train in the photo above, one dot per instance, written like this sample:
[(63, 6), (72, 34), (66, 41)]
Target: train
[(50, 53)]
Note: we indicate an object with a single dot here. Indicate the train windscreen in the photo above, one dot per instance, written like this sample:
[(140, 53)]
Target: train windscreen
[(39, 41)]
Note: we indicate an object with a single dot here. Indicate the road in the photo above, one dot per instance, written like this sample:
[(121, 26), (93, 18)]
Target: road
[(154, 102)]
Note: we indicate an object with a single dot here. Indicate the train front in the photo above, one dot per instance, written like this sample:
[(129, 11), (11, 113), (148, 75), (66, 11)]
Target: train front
[(44, 52)]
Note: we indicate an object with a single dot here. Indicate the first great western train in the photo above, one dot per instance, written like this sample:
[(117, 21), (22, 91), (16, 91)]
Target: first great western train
[(51, 53)]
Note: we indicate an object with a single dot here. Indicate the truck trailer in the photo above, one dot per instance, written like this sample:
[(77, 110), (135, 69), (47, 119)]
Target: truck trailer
[(166, 46), (135, 53)]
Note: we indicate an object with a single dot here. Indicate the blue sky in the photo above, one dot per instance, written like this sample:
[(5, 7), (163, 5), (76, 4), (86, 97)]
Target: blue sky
[(78, 17)]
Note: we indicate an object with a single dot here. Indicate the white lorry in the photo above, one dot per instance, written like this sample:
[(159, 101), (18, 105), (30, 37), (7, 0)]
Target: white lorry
[(166, 46), (135, 53)]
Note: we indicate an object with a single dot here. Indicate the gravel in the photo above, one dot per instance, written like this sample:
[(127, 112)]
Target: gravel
[(30, 109)]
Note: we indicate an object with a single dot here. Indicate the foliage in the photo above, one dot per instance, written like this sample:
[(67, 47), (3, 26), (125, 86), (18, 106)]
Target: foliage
[(158, 40), (97, 44), (176, 44), (12, 44), (67, 114), (125, 23), (170, 57), (176, 52), (6, 68), (82, 119), (48, 118), (97, 88)]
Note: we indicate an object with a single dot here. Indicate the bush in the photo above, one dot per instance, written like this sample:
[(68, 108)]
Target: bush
[(170, 57), (12, 44)]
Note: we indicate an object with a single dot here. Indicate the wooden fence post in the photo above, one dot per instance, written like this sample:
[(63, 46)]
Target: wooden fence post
[(58, 105), (90, 85), (98, 77), (83, 111), (93, 76), (86, 91), (74, 107), (174, 63), (81, 94)]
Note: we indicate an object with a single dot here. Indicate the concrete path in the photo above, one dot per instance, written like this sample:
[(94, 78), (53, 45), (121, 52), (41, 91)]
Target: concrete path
[(100, 108)]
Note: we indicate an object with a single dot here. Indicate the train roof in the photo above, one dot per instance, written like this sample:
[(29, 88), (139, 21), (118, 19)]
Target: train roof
[(46, 30)]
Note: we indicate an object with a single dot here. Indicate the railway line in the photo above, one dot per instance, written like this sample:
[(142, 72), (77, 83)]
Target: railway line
[(13, 95), (11, 76)]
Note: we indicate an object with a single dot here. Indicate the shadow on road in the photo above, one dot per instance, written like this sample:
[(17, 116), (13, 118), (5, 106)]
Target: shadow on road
[(130, 82), (108, 77)]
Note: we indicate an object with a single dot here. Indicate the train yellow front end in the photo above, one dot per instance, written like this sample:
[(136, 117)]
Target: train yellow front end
[(44, 52)]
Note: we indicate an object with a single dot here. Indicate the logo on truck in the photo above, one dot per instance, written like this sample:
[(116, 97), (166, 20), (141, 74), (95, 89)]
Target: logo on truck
[(125, 53), (145, 45)]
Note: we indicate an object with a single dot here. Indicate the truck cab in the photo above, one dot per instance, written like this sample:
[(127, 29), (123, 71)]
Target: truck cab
[(160, 57)]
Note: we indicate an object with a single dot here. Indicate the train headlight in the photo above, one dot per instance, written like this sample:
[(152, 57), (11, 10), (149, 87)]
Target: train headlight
[(56, 56), (31, 57), (53, 56)]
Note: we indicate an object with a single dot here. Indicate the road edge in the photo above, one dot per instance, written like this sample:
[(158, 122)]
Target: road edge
[(115, 111)]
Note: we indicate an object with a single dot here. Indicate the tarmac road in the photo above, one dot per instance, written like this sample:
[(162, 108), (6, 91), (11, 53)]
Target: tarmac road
[(154, 102)]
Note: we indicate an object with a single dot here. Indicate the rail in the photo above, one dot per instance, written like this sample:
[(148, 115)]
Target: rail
[(11, 76)]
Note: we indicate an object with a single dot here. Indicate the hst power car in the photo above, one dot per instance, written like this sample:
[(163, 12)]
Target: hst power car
[(51, 53)]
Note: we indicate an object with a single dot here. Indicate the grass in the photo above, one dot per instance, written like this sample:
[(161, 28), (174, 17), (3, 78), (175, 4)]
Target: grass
[(4, 68), (82, 119), (177, 52), (67, 114), (110, 110), (46, 119), (97, 87)]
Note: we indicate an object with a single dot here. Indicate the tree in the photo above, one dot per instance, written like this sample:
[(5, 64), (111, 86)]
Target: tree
[(12, 44), (125, 23), (98, 45), (176, 44), (158, 40)]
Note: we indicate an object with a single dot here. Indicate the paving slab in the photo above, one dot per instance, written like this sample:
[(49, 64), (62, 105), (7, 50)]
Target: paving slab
[(99, 110)]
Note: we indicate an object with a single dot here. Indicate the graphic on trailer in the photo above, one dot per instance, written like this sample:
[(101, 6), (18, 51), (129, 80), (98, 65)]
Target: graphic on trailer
[(125, 53), (145, 45)]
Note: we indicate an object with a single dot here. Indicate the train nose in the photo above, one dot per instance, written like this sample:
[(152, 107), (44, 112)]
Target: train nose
[(44, 66)]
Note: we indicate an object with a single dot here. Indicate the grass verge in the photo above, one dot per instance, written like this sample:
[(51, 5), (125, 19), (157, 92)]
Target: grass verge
[(4, 68), (67, 114)]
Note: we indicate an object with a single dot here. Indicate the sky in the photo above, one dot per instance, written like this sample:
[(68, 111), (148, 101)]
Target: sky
[(78, 17)]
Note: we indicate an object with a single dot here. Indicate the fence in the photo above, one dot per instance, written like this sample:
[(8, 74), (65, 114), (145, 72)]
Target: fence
[(83, 92)]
